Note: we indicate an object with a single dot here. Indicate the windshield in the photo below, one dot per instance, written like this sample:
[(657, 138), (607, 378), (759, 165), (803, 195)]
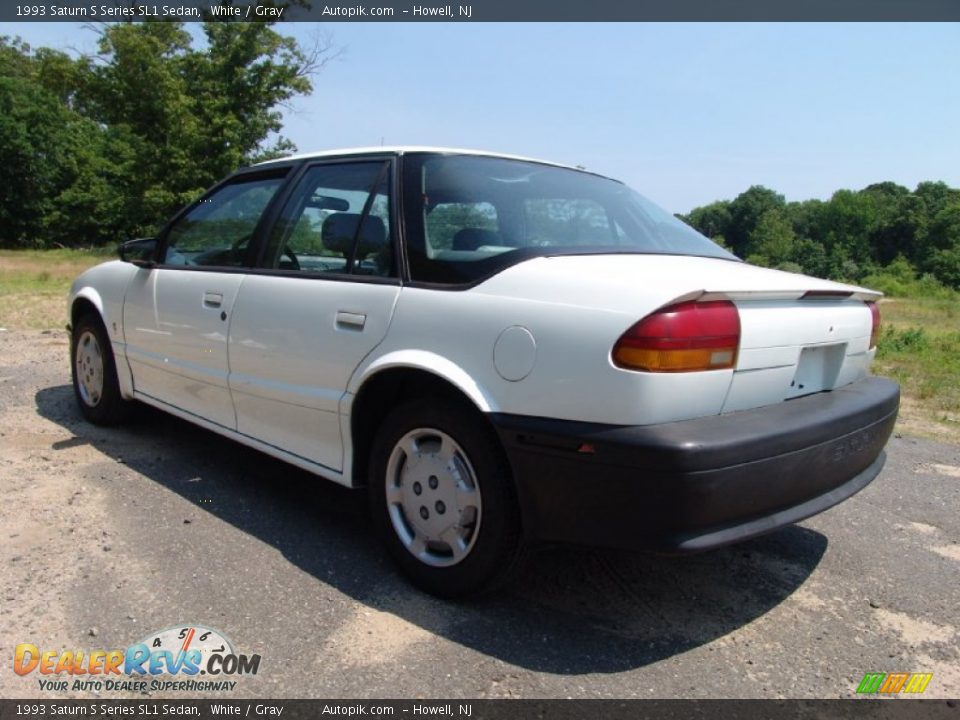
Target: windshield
[(468, 217)]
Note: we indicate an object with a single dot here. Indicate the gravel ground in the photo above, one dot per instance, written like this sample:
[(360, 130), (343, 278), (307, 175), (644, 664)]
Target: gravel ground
[(109, 534)]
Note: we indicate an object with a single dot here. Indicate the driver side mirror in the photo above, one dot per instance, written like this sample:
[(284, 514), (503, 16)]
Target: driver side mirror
[(139, 252)]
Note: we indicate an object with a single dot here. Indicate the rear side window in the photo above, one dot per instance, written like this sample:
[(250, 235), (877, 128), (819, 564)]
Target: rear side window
[(337, 220), (218, 230)]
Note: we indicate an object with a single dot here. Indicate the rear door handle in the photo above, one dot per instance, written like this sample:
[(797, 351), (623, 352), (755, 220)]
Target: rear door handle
[(213, 299), (350, 321)]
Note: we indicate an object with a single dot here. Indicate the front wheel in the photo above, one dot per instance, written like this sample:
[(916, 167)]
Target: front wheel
[(443, 499), (95, 381)]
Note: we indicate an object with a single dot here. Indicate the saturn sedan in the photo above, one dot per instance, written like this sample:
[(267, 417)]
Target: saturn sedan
[(501, 351)]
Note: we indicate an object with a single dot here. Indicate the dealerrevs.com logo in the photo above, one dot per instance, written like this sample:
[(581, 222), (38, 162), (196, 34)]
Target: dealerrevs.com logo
[(187, 657)]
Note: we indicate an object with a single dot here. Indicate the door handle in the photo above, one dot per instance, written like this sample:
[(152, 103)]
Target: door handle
[(350, 321), (213, 299)]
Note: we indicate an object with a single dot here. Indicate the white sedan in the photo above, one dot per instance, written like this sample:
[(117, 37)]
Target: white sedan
[(503, 351)]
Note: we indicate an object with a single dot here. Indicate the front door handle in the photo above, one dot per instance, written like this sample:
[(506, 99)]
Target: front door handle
[(213, 299), (350, 320)]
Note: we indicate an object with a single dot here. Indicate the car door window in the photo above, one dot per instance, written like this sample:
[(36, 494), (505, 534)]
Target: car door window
[(337, 220), (217, 231)]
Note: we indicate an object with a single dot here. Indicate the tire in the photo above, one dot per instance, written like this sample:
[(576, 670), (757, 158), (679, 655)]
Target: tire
[(94, 372), (443, 499)]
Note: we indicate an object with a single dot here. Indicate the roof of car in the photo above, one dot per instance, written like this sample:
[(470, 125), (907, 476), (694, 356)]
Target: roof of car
[(401, 149)]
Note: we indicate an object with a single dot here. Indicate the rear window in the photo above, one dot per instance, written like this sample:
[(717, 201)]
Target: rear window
[(468, 217)]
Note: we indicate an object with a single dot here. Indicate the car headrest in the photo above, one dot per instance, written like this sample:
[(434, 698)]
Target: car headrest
[(338, 231), (470, 238)]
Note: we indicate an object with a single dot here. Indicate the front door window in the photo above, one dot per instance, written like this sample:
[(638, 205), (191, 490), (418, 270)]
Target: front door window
[(217, 231)]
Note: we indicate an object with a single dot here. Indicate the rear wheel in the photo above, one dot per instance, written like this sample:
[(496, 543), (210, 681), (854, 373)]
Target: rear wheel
[(95, 381), (443, 498)]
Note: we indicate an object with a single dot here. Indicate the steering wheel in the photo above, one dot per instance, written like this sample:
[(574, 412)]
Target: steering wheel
[(287, 252), (240, 244)]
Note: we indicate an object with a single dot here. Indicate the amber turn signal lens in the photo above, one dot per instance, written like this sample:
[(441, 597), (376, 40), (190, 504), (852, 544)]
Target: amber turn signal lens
[(686, 337)]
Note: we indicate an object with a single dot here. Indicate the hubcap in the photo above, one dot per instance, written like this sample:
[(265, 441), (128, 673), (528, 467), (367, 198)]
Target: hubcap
[(89, 369), (433, 497)]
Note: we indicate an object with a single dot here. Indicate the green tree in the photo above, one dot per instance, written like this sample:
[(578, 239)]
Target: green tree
[(808, 218), (197, 114), (111, 146), (901, 229), (712, 220), (811, 256), (943, 246), (936, 196), (42, 152), (15, 58), (851, 217), (247, 74), (945, 266), (745, 213), (773, 239), (944, 230)]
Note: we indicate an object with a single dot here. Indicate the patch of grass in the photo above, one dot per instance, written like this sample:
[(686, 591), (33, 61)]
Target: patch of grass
[(919, 347), (34, 285)]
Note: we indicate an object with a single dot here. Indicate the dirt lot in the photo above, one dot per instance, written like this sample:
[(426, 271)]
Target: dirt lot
[(108, 535)]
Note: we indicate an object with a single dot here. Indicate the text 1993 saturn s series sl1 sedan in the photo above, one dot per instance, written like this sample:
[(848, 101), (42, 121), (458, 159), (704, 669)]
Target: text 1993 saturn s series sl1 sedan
[(502, 350)]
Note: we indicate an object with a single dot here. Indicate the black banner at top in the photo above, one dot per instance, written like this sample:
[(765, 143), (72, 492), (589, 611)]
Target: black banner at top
[(480, 10)]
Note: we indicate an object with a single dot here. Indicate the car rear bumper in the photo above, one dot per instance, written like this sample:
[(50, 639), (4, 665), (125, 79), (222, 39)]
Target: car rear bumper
[(698, 484)]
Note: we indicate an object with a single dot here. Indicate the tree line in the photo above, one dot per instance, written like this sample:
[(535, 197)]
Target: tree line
[(884, 231), (99, 148)]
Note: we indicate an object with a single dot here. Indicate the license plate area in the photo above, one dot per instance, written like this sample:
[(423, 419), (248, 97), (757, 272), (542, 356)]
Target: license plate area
[(817, 369)]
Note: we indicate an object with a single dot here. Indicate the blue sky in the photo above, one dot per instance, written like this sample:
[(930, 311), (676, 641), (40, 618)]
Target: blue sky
[(685, 113)]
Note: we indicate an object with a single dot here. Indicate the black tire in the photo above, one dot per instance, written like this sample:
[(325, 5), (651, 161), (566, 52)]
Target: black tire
[(495, 544), (89, 339)]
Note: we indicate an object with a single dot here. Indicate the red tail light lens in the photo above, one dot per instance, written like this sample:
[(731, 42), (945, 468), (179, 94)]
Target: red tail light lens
[(686, 337), (875, 327)]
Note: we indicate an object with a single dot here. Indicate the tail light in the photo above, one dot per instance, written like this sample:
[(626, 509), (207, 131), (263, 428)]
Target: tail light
[(875, 326), (685, 337)]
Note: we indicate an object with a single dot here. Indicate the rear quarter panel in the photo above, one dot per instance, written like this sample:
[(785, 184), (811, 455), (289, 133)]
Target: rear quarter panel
[(576, 307), (454, 335)]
